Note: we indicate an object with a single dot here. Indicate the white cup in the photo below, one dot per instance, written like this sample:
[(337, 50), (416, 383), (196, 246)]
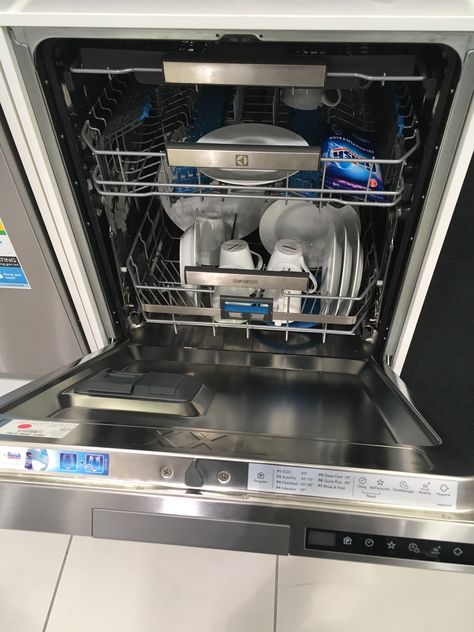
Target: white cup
[(209, 234), (287, 256), (237, 253), (308, 98)]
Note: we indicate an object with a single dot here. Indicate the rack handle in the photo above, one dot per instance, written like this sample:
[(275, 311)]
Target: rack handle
[(244, 74), (253, 279), (213, 155)]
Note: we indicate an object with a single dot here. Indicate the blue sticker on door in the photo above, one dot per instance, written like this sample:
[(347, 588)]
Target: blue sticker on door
[(12, 274)]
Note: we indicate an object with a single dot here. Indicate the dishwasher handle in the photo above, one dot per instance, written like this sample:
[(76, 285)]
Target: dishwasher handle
[(216, 155), (244, 74)]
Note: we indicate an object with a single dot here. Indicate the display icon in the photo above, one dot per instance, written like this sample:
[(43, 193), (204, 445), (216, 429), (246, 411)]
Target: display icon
[(347, 541), (413, 547), (94, 463), (68, 461), (391, 545), (458, 551), (369, 542)]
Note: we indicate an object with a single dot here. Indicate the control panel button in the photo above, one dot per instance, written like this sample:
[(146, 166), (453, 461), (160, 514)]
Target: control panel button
[(391, 547)]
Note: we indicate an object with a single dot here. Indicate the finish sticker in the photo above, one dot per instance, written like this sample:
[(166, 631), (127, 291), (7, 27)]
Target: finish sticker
[(38, 429), (12, 274), (69, 462)]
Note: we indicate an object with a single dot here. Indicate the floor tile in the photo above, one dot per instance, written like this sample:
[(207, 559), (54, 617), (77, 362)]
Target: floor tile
[(336, 596), (127, 586), (30, 567)]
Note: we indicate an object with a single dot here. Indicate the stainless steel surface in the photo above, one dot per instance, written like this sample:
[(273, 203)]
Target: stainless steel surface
[(262, 404), (215, 534), (243, 156), (267, 408), (253, 74), (38, 328), (250, 278)]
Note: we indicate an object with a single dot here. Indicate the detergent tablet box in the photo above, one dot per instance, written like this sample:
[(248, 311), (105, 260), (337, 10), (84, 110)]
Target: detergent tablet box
[(348, 175)]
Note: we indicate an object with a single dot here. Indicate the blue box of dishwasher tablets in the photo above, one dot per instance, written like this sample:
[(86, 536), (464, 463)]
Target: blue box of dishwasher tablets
[(348, 175)]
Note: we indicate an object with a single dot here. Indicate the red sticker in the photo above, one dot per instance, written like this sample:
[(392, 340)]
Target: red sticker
[(23, 426)]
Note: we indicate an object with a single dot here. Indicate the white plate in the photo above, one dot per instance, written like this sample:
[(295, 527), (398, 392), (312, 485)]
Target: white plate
[(352, 223), (345, 280), (359, 268), (184, 210), (251, 134), (331, 274), (187, 257), (304, 221)]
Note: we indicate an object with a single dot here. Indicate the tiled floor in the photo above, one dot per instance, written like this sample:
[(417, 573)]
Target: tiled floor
[(30, 565), (336, 596), (136, 586), (56, 583)]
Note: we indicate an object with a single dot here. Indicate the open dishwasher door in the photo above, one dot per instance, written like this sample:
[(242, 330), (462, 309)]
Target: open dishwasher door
[(231, 449)]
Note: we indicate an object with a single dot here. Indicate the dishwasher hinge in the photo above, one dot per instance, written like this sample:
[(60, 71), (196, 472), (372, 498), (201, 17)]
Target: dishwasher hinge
[(388, 359)]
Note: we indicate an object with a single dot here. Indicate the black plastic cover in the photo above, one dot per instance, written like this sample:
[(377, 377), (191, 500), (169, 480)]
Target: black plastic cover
[(157, 386)]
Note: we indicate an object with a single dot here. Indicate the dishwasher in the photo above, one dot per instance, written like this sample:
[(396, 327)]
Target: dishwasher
[(251, 405)]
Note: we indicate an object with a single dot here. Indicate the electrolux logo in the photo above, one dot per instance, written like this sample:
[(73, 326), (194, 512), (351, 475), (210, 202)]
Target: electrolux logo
[(14, 455)]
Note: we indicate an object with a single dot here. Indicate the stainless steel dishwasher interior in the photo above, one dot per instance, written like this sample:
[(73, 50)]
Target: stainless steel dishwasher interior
[(275, 395)]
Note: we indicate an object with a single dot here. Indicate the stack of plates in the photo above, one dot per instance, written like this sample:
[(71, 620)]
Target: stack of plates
[(331, 241)]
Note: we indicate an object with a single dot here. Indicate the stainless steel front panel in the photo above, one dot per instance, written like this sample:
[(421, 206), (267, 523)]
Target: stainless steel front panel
[(215, 534)]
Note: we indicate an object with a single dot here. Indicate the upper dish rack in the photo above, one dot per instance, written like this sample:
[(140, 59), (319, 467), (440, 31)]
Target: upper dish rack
[(133, 129)]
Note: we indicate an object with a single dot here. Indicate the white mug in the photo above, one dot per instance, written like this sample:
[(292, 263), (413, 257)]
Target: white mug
[(288, 256), (308, 98), (235, 254)]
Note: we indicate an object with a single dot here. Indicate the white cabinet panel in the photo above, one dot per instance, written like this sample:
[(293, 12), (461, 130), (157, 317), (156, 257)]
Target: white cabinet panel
[(333, 596)]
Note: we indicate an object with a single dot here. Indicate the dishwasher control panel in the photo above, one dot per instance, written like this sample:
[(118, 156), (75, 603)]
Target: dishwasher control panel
[(390, 547)]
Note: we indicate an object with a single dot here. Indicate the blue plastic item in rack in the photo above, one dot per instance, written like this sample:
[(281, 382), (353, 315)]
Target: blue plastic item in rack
[(306, 180)]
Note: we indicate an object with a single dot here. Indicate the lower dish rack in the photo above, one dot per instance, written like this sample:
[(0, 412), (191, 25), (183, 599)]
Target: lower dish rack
[(154, 268)]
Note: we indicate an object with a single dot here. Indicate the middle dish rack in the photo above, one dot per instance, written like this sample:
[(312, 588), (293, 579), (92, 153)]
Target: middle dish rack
[(133, 129)]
